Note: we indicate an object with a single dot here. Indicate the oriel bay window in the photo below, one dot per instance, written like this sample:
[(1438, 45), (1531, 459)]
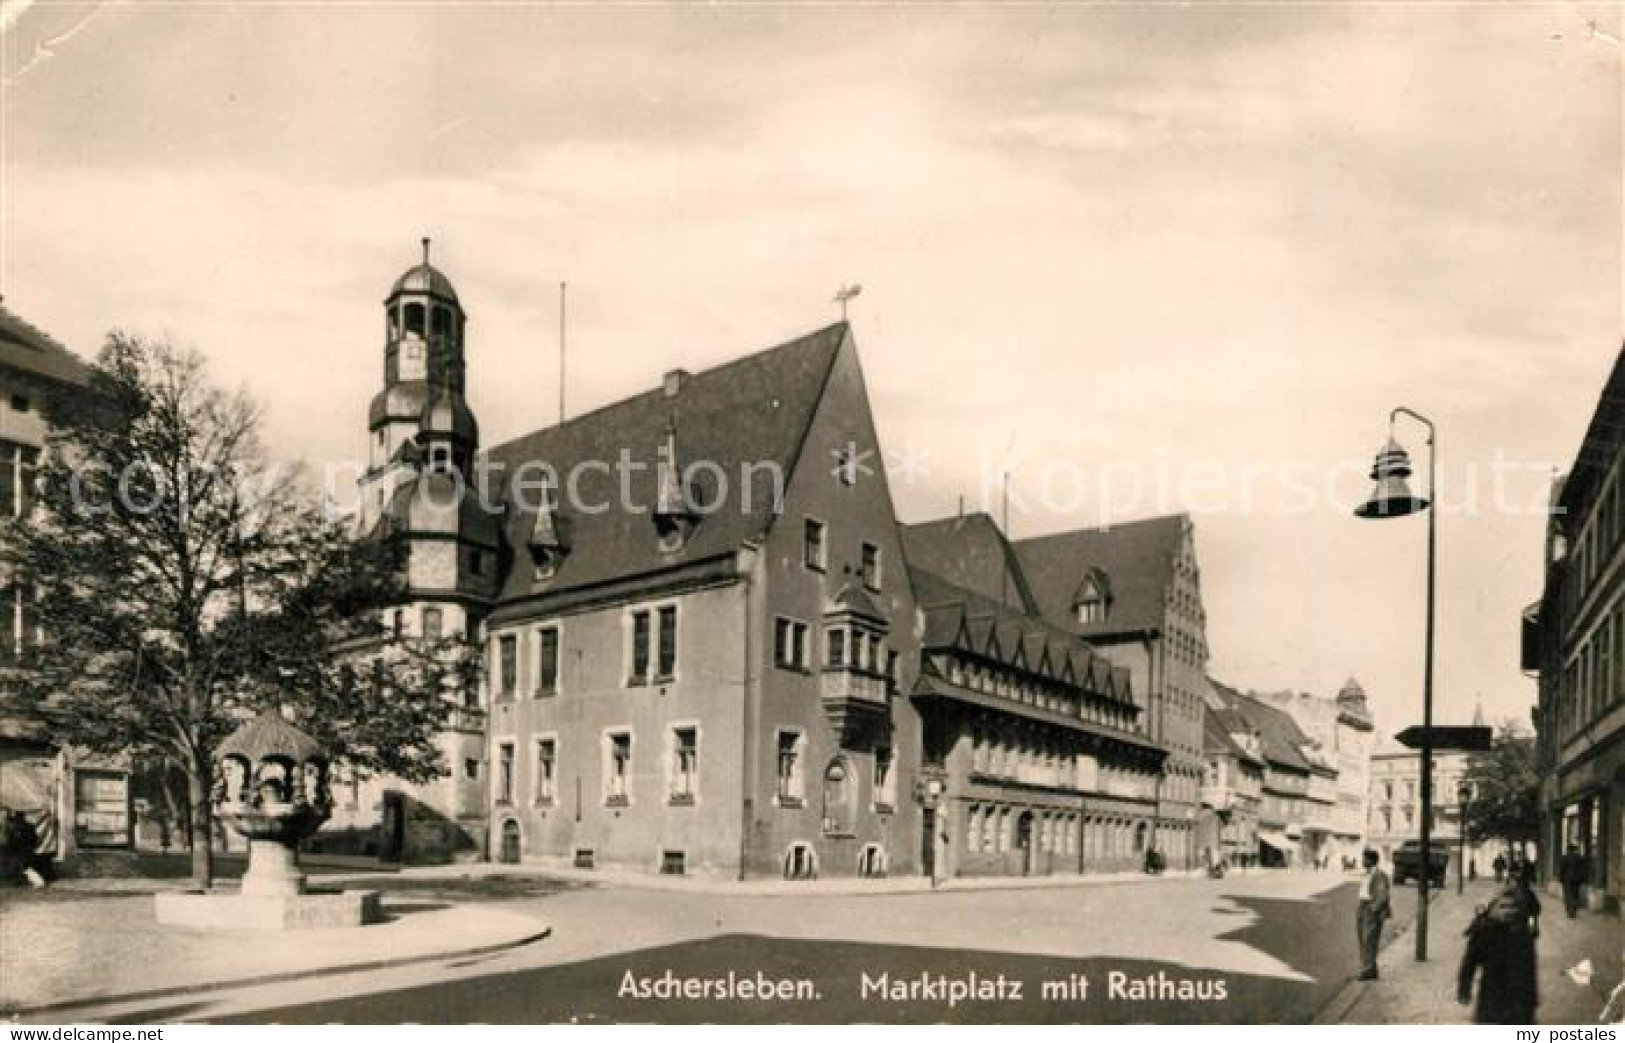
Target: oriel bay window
[(835, 643)]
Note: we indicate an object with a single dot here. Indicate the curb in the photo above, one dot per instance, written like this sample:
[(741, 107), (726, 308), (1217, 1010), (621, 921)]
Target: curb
[(856, 888), (279, 977)]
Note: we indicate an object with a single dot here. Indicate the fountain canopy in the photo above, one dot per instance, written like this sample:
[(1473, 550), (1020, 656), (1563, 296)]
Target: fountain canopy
[(271, 780)]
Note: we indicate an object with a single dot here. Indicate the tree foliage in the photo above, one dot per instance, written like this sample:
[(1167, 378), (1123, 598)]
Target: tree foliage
[(182, 581), (1506, 790)]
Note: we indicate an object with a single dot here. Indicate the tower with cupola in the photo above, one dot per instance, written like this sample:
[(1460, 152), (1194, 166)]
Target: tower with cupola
[(420, 492)]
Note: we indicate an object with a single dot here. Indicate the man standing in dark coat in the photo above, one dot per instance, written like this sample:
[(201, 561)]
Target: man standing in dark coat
[(1500, 952), (1573, 872), (1370, 914)]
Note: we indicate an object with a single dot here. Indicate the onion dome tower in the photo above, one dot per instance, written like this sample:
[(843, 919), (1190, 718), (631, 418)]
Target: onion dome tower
[(419, 486)]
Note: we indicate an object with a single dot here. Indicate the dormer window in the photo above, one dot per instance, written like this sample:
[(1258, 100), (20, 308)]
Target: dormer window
[(440, 458), (1093, 601)]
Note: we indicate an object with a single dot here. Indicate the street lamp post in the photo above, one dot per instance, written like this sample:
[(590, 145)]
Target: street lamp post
[(1392, 498)]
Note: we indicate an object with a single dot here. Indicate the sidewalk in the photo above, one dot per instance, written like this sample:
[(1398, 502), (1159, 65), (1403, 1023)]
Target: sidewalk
[(1411, 993), (60, 957)]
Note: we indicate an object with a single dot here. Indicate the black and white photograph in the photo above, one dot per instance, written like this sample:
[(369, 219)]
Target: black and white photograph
[(594, 513)]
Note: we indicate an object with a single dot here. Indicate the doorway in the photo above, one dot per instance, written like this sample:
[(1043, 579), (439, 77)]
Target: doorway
[(1024, 842), (509, 852)]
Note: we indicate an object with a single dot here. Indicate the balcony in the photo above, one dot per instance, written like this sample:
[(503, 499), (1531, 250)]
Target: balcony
[(1219, 798), (854, 699)]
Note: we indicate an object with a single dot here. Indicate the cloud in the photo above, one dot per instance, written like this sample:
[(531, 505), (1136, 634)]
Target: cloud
[(1151, 237)]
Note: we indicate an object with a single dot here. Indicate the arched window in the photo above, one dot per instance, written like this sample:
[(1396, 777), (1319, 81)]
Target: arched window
[(414, 319), (839, 791), (1141, 832), (800, 862)]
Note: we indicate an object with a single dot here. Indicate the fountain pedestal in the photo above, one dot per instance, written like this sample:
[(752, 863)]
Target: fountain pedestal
[(271, 787)]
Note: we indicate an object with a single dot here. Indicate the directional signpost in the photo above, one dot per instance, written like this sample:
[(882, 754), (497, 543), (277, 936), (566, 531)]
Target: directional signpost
[(1465, 738)]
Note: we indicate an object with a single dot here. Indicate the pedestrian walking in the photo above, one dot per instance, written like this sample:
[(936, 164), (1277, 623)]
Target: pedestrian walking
[(1573, 872), (1370, 913), (1500, 955), (1500, 867)]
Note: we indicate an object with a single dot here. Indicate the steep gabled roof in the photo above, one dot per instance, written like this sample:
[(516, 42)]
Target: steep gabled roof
[(29, 349), (1282, 738), (970, 551), (753, 412), (1603, 443), (959, 619), (1137, 559), (1216, 738)]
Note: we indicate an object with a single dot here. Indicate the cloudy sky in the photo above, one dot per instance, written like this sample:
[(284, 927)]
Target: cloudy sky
[(1146, 257)]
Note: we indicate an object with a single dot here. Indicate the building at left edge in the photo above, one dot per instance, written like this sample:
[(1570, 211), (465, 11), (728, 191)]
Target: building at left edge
[(75, 800), (1574, 642)]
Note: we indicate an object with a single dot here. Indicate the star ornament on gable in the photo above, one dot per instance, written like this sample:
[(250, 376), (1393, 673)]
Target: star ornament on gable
[(911, 465), (850, 462)]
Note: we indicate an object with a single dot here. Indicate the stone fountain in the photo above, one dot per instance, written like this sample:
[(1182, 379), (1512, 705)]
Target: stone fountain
[(271, 786)]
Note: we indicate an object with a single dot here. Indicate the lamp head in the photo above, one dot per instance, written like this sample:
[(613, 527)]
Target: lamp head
[(1392, 497)]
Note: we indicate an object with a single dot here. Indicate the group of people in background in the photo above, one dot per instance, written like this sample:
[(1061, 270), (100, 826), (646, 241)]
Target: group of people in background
[(1498, 955)]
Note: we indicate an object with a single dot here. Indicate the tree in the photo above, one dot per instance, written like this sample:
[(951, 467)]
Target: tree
[(1505, 782), (180, 581)]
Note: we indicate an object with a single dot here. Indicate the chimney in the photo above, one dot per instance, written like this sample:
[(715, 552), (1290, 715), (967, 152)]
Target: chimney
[(674, 382)]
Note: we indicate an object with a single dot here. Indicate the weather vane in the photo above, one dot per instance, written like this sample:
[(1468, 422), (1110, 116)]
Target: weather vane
[(846, 293)]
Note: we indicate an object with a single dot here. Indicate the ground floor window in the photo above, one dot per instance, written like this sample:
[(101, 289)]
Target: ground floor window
[(800, 863)]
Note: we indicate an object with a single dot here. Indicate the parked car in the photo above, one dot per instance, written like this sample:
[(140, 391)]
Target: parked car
[(1408, 863)]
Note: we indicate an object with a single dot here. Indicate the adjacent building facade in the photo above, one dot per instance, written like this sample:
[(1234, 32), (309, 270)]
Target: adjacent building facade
[(1232, 787), (74, 799), (1574, 640), (1284, 804), (1339, 730), (1034, 754), (1396, 808)]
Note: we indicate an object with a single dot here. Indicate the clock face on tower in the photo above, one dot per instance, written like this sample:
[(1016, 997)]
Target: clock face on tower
[(412, 360)]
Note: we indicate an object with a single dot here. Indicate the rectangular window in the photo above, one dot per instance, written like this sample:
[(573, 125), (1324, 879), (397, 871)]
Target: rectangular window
[(640, 647), (790, 768), (433, 622), (789, 644), (618, 768), (547, 660), (685, 764), (871, 566), (891, 673), (668, 642), (507, 666), (471, 768), (835, 640), (505, 773), (812, 548), (17, 463), (547, 757)]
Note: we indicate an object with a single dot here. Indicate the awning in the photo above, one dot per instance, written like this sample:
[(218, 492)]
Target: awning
[(1278, 841)]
